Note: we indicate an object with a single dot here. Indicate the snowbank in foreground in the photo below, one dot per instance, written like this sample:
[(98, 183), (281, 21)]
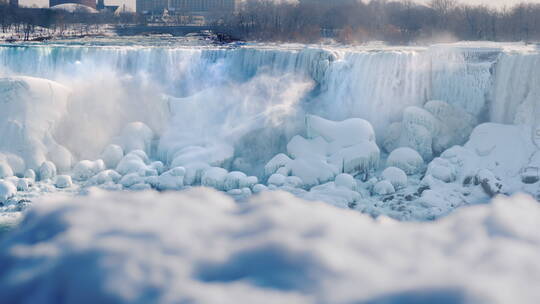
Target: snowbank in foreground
[(201, 247)]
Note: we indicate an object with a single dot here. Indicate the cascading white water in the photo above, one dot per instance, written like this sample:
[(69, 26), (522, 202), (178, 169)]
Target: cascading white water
[(233, 89)]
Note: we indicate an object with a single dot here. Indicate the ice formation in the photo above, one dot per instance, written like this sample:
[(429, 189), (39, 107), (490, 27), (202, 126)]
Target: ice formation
[(412, 133), (199, 246)]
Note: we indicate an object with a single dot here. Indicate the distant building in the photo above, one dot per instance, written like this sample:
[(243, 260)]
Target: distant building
[(151, 6), (89, 3), (186, 7)]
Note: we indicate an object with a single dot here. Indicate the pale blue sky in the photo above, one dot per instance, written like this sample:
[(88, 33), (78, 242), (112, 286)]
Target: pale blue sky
[(131, 3)]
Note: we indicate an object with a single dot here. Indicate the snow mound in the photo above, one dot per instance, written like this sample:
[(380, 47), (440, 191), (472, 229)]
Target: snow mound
[(396, 177), (31, 110), (407, 160), (430, 130), (199, 246)]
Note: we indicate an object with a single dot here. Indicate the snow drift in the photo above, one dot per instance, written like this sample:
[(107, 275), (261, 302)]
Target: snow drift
[(200, 246)]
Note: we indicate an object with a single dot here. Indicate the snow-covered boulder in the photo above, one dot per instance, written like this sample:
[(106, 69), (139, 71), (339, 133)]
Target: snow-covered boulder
[(313, 171), (47, 171), (360, 158), (279, 161), (131, 179), (112, 155), (131, 163), (430, 130), (136, 136), (396, 177), (105, 177), (63, 181), (15, 162), (85, 169), (345, 180), (442, 170), (194, 173), (384, 188), (5, 170), (215, 154), (172, 179), (24, 184), (340, 134), (277, 180), (215, 178), (30, 174), (7, 191), (407, 160), (233, 179), (300, 147)]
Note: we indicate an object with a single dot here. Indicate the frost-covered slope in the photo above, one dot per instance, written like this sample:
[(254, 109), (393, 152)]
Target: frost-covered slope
[(202, 247)]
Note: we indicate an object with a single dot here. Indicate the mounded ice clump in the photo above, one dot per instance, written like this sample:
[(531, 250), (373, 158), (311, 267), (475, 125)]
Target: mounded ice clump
[(384, 187), (430, 130), (86, 169), (31, 110), (332, 148), (47, 171), (396, 177), (112, 155), (136, 136), (7, 191), (63, 181), (407, 160), (491, 162)]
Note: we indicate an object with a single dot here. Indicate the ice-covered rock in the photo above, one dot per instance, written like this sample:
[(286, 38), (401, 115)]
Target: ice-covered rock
[(279, 161), (30, 174), (194, 173), (105, 177), (5, 170), (15, 162), (442, 169), (215, 178), (430, 130), (112, 155), (313, 171), (24, 184), (213, 155), (85, 169), (7, 191), (172, 179), (345, 180), (300, 147), (47, 171), (277, 180), (396, 177), (407, 160), (340, 134), (233, 180), (31, 110), (131, 163), (63, 181), (131, 179), (259, 188), (384, 188), (136, 136), (360, 158), (330, 193)]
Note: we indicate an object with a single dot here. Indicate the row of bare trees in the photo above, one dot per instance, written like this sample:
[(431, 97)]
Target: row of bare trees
[(37, 23), (392, 21)]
